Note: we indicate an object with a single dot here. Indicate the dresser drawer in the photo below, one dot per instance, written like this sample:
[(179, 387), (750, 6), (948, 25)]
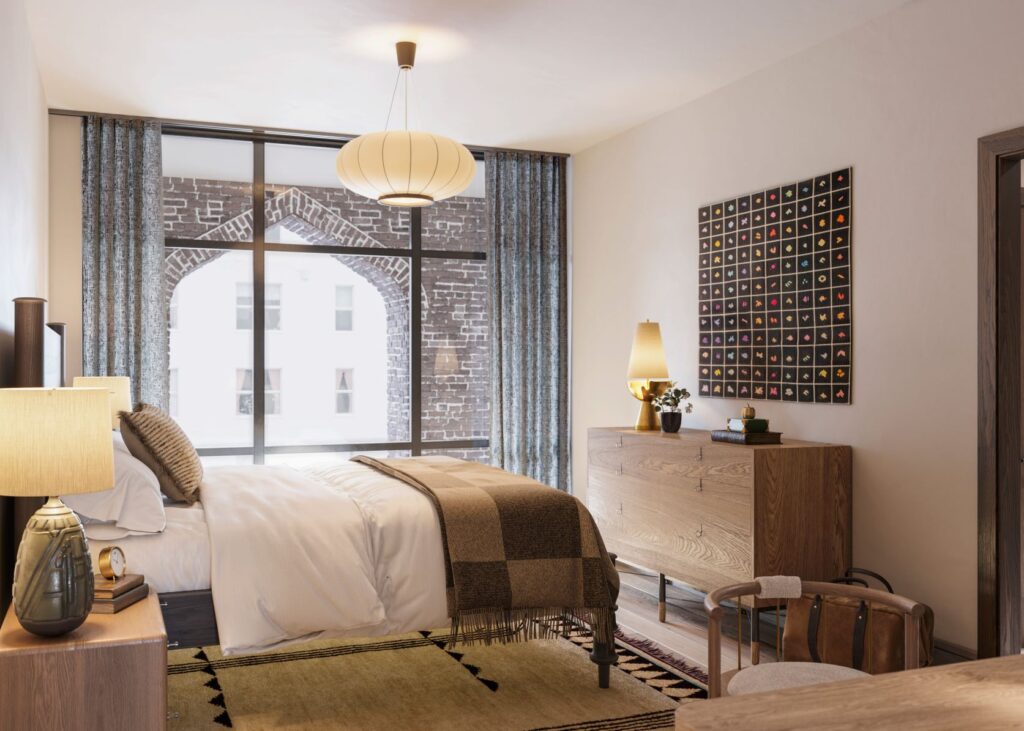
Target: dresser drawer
[(671, 461), (698, 532)]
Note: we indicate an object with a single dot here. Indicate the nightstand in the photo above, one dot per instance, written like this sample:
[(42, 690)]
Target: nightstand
[(109, 674)]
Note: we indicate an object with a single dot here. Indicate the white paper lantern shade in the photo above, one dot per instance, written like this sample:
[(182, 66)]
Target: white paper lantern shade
[(401, 168)]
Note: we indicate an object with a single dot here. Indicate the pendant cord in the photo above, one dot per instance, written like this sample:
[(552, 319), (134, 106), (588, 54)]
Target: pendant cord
[(407, 100), (391, 106)]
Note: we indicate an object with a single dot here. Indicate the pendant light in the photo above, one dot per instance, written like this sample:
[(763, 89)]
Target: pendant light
[(404, 168)]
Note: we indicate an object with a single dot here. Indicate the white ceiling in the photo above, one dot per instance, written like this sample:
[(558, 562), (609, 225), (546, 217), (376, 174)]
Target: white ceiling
[(555, 75)]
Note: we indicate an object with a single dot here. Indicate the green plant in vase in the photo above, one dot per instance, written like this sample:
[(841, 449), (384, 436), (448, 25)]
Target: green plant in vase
[(671, 405)]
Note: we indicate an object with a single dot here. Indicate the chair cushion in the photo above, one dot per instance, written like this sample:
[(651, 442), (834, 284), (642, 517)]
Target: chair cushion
[(771, 676)]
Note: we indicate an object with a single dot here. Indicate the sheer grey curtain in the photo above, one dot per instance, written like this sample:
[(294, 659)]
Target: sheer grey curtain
[(124, 318), (526, 216)]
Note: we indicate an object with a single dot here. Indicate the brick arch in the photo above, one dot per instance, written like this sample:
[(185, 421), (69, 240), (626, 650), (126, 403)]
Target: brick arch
[(317, 224)]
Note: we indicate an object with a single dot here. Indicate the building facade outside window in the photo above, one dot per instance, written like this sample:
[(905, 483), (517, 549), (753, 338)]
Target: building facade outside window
[(343, 391), (343, 310)]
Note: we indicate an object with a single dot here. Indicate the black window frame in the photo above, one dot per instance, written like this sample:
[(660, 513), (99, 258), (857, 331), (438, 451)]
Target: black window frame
[(259, 248)]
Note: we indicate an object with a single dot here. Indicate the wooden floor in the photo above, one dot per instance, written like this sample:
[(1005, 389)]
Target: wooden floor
[(684, 631)]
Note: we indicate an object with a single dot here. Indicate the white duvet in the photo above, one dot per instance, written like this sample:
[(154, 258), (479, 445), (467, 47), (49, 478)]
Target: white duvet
[(338, 551)]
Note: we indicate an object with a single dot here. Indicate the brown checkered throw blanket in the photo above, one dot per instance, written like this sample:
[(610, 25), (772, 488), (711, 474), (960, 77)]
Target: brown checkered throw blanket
[(515, 551)]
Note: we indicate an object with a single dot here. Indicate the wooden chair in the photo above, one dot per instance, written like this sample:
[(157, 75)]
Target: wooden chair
[(811, 673)]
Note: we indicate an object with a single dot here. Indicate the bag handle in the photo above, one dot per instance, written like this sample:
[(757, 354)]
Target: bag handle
[(849, 580), (878, 577), (813, 619)]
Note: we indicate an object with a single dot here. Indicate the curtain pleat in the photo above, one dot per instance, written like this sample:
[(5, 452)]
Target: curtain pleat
[(124, 315), (526, 212)]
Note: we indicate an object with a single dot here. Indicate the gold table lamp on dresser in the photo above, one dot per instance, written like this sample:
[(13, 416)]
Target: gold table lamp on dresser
[(54, 441), (647, 376)]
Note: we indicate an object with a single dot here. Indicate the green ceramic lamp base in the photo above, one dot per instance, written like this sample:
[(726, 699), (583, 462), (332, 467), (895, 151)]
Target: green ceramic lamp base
[(53, 582)]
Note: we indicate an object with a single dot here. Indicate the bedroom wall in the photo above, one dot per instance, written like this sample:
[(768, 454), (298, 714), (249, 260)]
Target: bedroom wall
[(23, 174), (66, 233), (903, 99)]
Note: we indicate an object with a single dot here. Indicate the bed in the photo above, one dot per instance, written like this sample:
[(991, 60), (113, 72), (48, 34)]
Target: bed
[(210, 564)]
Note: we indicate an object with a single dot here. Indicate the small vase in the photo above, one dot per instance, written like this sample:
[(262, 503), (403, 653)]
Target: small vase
[(671, 421)]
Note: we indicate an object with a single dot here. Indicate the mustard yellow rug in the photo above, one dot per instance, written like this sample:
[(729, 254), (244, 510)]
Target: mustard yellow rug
[(414, 682)]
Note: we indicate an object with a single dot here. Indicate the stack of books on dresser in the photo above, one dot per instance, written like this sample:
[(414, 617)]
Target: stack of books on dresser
[(747, 431), (113, 595)]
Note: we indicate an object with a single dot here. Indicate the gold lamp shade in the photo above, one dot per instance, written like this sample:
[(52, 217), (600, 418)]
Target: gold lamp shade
[(120, 389), (647, 375), (54, 442)]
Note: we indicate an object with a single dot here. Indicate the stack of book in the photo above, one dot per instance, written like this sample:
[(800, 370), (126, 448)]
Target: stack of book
[(747, 431), (111, 596)]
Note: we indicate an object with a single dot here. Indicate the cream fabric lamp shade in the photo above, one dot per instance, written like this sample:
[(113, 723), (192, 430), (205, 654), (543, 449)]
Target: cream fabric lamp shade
[(55, 441), (647, 360), (120, 389), (402, 168)]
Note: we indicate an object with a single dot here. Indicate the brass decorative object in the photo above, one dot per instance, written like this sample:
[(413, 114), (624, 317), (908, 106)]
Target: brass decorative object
[(647, 377), (646, 391), (53, 581)]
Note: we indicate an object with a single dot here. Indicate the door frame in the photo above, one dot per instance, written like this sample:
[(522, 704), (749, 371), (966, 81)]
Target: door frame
[(999, 393)]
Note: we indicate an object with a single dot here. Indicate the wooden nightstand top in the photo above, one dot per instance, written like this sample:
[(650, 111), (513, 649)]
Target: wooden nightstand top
[(141, 622)]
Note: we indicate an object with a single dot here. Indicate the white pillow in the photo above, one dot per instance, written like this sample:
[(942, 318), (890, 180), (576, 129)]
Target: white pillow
[(133, 506)]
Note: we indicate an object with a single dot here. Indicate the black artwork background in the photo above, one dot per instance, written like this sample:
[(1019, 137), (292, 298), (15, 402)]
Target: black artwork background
[(775, 291)]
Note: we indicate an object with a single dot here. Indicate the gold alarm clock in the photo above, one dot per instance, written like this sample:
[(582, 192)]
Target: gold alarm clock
[(112, 563)]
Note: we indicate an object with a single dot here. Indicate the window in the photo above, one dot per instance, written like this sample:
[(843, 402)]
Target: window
[(271, 392), (172, 312), (272, 307), (172, 392), (327, 249), (343, 391), (343, 307), (243, 306)]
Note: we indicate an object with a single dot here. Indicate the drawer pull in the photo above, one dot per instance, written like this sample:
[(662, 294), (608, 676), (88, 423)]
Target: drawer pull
[(620, 468), (163, 604), (700, 454), (700, 485), (620, 441), (620, 508), (700, 531), (172, 645)]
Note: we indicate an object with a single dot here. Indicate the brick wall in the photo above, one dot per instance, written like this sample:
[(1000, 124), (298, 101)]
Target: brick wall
[(456, 357)]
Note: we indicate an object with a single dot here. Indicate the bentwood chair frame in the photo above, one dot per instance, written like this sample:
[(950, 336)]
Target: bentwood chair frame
[(912, 613)]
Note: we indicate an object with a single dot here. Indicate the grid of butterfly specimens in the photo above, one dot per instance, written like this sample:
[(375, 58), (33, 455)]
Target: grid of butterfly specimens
[(775, 289)]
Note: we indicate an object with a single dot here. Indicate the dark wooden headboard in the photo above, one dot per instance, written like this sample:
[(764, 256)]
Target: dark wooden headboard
[(39, 360)]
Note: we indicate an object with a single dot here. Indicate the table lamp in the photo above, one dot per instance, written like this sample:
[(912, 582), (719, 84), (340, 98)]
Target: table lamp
[(647, 376), (54, 441), (120, 388)]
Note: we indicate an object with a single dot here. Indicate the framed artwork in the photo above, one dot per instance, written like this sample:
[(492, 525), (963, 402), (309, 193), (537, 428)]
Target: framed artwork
[(775, 309)]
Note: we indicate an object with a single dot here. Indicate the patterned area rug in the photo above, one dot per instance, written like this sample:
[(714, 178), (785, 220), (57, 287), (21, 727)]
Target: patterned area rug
[(413, 682)]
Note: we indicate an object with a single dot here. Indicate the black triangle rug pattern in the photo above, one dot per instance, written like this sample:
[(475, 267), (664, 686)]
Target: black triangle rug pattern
[(222, 718), (442, 645)]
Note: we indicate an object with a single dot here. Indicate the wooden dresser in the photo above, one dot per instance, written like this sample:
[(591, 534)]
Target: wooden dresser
[(711, 514)]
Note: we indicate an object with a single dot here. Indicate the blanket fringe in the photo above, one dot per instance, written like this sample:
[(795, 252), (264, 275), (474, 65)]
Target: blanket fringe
[(471, 627)]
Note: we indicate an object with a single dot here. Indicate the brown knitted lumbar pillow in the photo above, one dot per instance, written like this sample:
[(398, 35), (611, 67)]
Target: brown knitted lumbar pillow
[(155, 439)]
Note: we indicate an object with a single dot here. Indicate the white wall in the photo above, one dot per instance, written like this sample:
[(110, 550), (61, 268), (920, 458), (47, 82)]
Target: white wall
[(66, 234), (904, 100), (23, 173)]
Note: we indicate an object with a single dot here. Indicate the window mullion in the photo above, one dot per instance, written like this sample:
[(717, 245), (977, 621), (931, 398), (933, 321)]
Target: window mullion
[(258, 306), (416, 331)]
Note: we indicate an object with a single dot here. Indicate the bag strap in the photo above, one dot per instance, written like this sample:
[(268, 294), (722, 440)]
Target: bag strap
[(849, 580), (878, 577), (813, 619), (859, 630)]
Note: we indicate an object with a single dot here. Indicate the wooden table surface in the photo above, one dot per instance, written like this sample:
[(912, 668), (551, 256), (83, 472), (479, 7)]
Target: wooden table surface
[(980, 695)]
